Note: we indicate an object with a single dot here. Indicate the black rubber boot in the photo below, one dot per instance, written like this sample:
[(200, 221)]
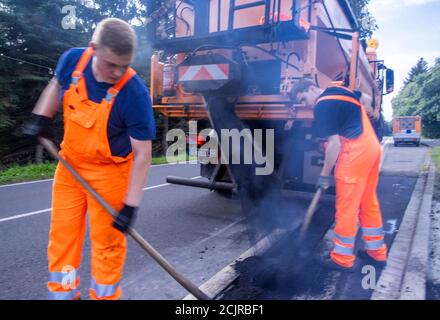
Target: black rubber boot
[(329, 264), (367, 259)]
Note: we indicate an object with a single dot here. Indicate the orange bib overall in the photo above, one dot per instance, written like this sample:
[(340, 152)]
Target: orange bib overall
[(357, 175), (86, 147)]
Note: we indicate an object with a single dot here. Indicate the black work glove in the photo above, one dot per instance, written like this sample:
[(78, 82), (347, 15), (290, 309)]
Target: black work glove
[(125, 218), (323, 182), (37, 125)]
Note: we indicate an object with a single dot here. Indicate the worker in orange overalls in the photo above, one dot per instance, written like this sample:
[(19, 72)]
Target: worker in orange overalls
[(108, 128), (354, 148)]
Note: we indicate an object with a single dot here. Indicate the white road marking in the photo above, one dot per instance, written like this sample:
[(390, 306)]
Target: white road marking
[(385, 146), (24, 215), (219, 232), (174, 163), (393, 224), (45, 180), (21, 183), (158, 186)]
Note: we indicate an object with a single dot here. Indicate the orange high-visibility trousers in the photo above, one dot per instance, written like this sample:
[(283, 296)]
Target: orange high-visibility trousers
[(68, 224), (357, 176), (356, 202), (85, 146)]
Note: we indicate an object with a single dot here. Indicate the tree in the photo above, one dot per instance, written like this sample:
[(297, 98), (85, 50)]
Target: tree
[(33, 38), (421, 96), (364, 17), (420, 67)]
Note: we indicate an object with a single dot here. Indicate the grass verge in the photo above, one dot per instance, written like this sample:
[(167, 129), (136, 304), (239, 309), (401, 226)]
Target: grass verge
[(436, 158), (27, 173), (46, 170)]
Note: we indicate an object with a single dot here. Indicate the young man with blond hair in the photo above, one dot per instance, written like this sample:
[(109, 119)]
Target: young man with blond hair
[(108, 128)]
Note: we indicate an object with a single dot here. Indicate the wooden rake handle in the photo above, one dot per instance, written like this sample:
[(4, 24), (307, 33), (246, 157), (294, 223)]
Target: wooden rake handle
[(310, 212)]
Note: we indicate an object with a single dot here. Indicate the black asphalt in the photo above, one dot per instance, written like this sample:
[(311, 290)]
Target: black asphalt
[(314, 281), (197, 230)]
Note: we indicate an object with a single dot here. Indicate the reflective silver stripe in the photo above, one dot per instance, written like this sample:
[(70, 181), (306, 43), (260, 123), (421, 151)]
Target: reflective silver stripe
[(109, 97), (75, 80), (372, 231), (374, 245), (343, 250), (345, 240), (63, 295), (61, 276), (104, 290), (56, 276)]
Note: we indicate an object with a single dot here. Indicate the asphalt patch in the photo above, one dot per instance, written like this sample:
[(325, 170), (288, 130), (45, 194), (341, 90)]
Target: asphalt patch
[(275, 276)]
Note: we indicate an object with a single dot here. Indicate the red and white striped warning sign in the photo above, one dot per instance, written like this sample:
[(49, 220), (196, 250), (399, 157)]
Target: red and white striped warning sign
[(204, 72)]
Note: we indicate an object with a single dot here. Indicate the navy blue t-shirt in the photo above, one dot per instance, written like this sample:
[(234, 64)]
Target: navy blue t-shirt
[(132, 112), (338, 117)]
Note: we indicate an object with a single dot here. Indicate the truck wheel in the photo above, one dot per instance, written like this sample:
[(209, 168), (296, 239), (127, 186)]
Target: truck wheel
[(417, 144), (396, 143)]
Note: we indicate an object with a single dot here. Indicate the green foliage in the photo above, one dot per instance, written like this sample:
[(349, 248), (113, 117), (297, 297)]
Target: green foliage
[(419, 68), (31, 43), (421, 96), (436, 157), (173, 159), (27, 173), (364, 17), (388, 128), (33, 38)]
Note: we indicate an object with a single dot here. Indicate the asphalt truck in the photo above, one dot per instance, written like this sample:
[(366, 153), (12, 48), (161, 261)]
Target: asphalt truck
[(230, 65), (407, 129)]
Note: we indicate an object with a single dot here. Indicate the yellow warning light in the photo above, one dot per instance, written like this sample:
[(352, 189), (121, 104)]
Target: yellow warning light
[(373, 44)]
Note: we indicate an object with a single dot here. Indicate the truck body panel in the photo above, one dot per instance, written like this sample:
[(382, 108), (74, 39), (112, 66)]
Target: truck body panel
[(249, 54), (407, 129)]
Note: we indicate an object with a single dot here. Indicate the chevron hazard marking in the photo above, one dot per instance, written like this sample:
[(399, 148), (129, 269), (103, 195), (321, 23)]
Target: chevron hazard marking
[(204, 72)]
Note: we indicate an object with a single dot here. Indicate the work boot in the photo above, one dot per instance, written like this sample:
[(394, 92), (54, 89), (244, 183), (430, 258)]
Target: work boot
[(329, 264), (362, 254)]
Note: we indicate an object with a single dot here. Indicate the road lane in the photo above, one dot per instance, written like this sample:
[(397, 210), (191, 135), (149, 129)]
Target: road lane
[(26, 198), (196, 229)]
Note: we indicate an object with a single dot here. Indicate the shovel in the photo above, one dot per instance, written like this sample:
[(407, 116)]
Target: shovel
[(299, 248), (271, 273), (184, 282)]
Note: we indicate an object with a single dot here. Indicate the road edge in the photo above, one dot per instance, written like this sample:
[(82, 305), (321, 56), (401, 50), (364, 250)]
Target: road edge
[(404, 277), (414, 281), (222, 279)]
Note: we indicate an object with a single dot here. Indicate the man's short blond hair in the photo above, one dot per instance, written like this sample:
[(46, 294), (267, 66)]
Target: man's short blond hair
[(115, 34)]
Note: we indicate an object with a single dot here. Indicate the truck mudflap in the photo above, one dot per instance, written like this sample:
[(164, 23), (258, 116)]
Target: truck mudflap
[(209, 72)]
